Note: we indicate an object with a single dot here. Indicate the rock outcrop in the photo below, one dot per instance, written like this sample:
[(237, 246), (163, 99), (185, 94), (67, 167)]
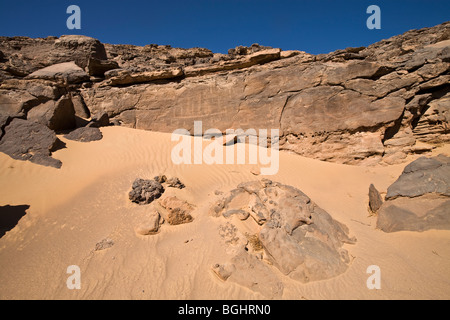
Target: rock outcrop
[(354, 106), (297, 237), (85, 134), (420, 198), (67, 73), (26, 140), (56, 115)]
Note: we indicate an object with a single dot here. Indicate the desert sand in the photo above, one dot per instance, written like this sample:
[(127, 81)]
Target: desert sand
[(73, 208)]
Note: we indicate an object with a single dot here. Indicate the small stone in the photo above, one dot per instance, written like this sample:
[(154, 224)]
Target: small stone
[(160, 178), (104, 244), (175, 183), (375, 200), (151, 225)]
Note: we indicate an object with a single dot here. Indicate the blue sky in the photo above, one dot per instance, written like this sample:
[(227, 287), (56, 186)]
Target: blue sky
[(308, 25)]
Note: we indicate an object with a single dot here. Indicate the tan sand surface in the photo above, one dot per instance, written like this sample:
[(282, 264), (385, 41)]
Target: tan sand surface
[(86, 201)]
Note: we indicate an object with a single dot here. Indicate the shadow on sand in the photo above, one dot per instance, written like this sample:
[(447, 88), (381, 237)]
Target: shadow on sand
[(10, 216)]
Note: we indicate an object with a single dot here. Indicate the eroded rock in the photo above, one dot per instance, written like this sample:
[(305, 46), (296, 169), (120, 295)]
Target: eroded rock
[(27, 140), (85, 134), (67, 72), (246, 270), (145, 191), (375, 200), (56, 115), (174, 182), (178, 211), (150, 225), (104, 244), (298, 237), (420, 198)]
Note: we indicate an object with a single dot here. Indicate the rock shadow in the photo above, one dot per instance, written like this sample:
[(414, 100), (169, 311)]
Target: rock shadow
[(10, 216)]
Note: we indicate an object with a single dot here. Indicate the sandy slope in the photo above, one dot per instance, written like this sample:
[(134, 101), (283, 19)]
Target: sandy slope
[(73, 208)]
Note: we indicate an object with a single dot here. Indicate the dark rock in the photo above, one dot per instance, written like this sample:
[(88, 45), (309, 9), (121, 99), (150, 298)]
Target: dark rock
[(99, 120), (85, 134), (419, 199), (97, 67), (56, 115), (375, 200), (145, 191), (422, 176), (175, 183), (26, 140), (160, 178), (80, 48), (81, 110)]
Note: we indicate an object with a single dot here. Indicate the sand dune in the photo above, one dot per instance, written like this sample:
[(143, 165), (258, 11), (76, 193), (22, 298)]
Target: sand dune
[(86, 201)]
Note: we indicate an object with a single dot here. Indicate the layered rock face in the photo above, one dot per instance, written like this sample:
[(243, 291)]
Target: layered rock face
[(354, 106)]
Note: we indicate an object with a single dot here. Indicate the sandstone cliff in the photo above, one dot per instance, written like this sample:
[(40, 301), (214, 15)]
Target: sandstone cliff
[(356, 106)]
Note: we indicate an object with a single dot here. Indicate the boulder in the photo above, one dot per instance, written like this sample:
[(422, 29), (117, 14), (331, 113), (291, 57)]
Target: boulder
[(85, 134), (27, 140), (41, 90), (65, 73), (81, 110), (422, 176), (145, 191), (80, 48), (97, 67), (375, 200), (99, 120), (419, 199), (299, 238), (56, 115)]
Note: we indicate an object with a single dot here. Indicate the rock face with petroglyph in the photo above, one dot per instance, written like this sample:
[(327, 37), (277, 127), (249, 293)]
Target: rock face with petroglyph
[(353, 106), (291, 233), (420, 198)]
